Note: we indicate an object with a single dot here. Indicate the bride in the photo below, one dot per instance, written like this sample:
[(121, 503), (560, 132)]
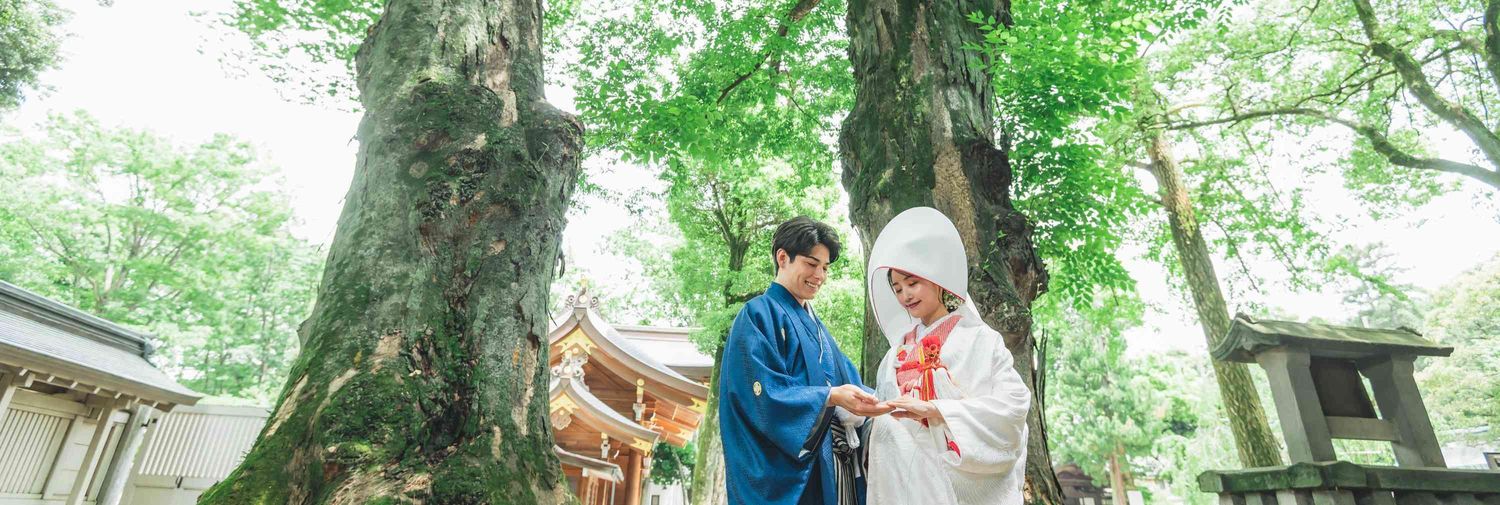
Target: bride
[(959, 436)]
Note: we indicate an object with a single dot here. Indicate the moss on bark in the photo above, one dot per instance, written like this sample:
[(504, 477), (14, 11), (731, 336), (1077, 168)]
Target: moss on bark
[(422, 376)]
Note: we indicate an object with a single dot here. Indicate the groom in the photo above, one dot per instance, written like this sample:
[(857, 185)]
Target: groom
[(782, 377)]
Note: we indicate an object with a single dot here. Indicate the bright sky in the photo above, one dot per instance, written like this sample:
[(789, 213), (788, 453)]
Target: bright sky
[(150, 65)]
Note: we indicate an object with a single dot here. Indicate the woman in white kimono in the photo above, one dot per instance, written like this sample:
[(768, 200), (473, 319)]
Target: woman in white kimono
[(959, 436)]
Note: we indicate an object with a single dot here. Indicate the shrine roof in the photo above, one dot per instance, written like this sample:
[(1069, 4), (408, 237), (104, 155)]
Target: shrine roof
[(1248, 336), (633, 352), (72, 348), (598, 415)]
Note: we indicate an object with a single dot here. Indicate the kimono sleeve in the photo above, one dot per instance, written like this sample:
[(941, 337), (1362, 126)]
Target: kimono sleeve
[(990, 428), (775, 408)]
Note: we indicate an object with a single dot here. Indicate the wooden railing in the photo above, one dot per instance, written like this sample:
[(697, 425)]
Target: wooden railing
[(1344, 483)]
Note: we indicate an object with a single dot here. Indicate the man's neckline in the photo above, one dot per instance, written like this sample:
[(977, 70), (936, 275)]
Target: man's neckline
[(779, 291)]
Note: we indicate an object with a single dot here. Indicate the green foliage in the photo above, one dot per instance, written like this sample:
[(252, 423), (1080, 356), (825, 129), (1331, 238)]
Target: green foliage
[(1307, 69), (306, 47), (29, 42), (1099, 399), (1065, 75), (1249, 217), (187, 243), (1163, 410), (736, 116), (1460, 390), (714, 83), (1075, 85), (672, 465), (1178, 456), (1379, 301)]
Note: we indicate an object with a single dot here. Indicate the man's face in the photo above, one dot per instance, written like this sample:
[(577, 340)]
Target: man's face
[(804, 274)]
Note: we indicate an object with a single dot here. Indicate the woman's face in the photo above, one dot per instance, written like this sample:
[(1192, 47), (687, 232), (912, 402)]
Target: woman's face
[(922, 299)]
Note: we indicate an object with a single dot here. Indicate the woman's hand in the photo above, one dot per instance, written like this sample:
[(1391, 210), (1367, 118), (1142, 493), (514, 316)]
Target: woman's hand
[(913, 408)]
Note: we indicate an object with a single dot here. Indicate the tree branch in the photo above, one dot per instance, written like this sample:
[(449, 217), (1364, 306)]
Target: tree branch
[(1416, 83), (1378, 140), (742, 297), (799, 11), (1492, 39)]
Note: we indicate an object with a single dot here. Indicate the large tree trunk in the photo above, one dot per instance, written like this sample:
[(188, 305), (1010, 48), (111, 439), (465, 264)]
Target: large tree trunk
[(1253, 439), (921, 133), (422, 375)]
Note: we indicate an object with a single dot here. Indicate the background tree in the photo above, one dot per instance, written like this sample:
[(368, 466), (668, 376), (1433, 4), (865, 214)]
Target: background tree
[(423, 376), (1063, 76), (1081, 126), (1460, 388), (671, 465), (29, 41), (1110, 413), (733, 103), (1246, 414), (188, 243)]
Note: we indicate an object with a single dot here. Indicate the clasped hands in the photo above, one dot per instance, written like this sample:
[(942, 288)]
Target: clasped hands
[(860, 403)]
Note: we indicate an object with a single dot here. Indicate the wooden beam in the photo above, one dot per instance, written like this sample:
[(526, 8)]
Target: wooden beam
[(91, 456), (119, 470), (8, 386), (1297, 406), (1359, 428), (1400, 402)]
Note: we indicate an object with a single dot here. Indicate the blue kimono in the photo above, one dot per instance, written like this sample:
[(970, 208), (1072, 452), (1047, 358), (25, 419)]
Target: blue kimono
[(778, 366)]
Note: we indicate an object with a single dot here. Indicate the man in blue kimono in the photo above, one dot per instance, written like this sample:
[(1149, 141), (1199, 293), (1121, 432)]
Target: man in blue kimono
[(782, 377)]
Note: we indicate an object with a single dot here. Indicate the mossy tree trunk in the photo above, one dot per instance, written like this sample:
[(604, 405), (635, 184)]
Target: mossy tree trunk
[(1118, 493), (922, 133), (1253, 439), (422, 375), (709, 486)]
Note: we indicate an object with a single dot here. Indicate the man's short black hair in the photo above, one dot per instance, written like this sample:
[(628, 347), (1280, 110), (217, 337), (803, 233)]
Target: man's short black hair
[(799, 235)]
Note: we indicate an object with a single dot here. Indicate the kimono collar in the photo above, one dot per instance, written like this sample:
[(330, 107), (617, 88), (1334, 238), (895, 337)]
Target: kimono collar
[(780, 293), (923, 329), (803, 315)]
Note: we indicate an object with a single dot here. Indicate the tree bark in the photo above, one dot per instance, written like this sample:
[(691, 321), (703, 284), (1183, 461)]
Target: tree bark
[(1117, 489), (709, 486), (1253, 439), (422, 376), (922, 133)]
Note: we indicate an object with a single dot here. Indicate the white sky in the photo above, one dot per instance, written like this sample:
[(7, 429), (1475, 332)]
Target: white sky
[(144, 64)]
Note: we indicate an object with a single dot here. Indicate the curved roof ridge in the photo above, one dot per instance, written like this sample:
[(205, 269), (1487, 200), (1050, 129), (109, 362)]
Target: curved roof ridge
[(623, 427), (609, 471), (629, 347), (586, 316)]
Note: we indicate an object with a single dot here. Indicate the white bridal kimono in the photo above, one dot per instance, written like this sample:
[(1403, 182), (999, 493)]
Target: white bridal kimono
[(977, 455)]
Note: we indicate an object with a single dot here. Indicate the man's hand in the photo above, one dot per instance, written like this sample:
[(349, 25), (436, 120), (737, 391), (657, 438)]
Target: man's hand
[(913, 408), (857, 401)]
